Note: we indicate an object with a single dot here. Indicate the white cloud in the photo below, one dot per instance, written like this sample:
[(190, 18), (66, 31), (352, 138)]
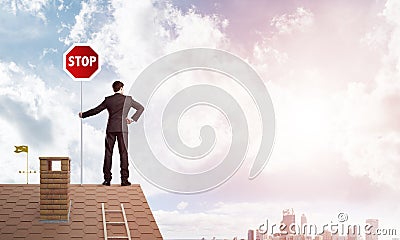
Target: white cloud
[(391, 14), (33, 7), (47, 51), (136, 33), (80, 31), (377, 38), (372, 139), (299, 20), (192, 29), (323, 106), (182, 205)]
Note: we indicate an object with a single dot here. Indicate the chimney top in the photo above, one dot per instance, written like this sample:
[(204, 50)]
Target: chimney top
[(54, 189)]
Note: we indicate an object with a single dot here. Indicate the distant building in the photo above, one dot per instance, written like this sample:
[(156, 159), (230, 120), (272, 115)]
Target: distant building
[(374, 226), (294, 237), (259, 236), (310, 238), (352, 232), (278, 237), (288, 219), (303, 222), (338, 237), (326, 235), (250, 235)]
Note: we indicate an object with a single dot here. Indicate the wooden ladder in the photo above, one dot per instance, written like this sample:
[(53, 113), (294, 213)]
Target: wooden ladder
[(125, 222)]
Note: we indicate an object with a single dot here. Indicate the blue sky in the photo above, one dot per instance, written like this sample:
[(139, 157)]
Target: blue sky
[(331, 68)]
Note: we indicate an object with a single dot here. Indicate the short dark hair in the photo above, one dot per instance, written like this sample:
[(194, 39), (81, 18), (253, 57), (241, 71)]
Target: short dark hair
[(117, 85)]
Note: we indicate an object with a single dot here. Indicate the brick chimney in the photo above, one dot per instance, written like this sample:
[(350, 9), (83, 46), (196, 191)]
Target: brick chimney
[(54, 188)]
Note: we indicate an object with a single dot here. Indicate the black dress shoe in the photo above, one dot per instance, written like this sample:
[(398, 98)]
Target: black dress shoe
[(106, 183), (125, 183)]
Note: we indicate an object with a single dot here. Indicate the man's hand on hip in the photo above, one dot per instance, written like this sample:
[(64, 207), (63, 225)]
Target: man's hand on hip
[(129, 121)]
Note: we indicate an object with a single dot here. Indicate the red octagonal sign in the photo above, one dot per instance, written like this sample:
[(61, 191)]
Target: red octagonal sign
[(81, 62)]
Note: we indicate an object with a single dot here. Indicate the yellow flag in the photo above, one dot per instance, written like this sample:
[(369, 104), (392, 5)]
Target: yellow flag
[(19, 149)]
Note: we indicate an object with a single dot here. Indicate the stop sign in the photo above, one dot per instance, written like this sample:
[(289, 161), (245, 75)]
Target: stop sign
[(81, 62)]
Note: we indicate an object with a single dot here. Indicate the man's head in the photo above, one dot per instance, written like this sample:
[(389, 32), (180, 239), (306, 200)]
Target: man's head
[(117, 86)]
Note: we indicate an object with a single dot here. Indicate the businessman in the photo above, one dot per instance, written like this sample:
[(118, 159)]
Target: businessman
[(118, 106)]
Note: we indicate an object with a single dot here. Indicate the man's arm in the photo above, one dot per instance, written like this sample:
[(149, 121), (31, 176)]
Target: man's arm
[(94, 111), (139, 109)]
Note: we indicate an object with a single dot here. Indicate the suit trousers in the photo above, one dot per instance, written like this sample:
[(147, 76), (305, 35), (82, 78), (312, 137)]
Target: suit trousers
[(122, 138)]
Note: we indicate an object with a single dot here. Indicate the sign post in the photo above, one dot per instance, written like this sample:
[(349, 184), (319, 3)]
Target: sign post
[(81, 63)]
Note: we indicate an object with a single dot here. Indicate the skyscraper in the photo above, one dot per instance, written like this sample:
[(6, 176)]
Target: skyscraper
[(303, 222), (288, 220), (250, 235), (258, 235), (326, 235), (352, 232), (373, 223)]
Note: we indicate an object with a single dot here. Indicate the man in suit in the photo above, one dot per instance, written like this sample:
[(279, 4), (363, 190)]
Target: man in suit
[(118, 106)]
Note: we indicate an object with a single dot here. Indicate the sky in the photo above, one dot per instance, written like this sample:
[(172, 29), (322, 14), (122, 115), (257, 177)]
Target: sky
[(330, 67)]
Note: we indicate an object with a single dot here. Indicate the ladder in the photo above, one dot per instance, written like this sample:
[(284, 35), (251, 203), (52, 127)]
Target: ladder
[(125, 222)]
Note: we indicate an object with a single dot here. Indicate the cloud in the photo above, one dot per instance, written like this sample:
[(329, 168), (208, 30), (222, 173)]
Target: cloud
[(37, 130), (372, 139), (85, 22), (181, 27), (34, 7), (300, 20), (377, 38), (182, 205), (152, 31), (47, 51), (334, 96)]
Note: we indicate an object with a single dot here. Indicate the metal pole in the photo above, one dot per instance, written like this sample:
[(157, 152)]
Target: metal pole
[(81, 141), (27, 181)]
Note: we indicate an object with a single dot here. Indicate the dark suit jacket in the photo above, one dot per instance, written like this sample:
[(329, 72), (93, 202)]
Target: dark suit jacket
[(118, 107)]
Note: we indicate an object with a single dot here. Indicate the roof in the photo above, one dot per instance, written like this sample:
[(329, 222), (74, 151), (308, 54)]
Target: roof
[(20, 215)]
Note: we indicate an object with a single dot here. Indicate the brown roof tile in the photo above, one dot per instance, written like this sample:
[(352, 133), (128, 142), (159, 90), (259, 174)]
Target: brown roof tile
[(21, 233), (20, 216)]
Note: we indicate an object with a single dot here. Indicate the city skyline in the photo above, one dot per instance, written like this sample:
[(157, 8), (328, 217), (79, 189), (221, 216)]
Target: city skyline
[(308, 231)]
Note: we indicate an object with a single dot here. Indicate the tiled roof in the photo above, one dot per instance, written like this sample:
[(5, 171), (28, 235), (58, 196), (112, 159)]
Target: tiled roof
[(20, 213)]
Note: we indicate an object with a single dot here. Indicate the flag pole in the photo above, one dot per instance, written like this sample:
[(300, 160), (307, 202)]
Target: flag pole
[(27, 181), (81, 141)]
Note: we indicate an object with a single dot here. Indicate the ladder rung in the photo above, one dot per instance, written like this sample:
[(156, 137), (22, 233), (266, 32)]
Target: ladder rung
[(118, 237), (116, 223)]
